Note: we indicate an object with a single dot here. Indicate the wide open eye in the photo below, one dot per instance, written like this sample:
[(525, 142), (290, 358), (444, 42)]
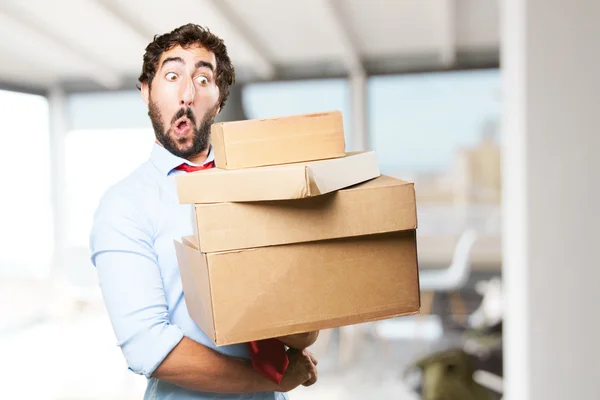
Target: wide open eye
[(201, 79), (171, 76)]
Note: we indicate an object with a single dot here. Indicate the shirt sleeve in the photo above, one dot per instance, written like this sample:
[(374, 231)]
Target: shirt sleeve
[(131, 284)]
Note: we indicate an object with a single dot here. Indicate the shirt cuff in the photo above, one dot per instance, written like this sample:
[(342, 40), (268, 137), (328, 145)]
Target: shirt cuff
[(157, 348)]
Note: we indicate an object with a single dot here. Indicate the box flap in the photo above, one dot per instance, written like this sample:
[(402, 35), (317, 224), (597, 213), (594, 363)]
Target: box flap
[(380, 182), (357, 167), (195, 279), (190, 241), (279, 182)]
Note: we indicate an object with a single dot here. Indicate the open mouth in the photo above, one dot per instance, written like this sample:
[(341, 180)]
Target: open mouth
[(182, 126)]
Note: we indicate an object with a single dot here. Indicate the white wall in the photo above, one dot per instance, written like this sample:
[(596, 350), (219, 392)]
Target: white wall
[(551, 72)]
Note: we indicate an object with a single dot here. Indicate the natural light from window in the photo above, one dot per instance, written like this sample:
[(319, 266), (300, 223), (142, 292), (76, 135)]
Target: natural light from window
[(25, 213)]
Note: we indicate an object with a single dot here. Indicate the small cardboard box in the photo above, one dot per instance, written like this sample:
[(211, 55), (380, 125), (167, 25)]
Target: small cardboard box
[(383, 204), (277, 182), (273, 141), (245, 295)]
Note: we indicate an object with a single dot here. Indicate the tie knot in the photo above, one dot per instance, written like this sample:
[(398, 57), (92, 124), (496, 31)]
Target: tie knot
[(190, 168)]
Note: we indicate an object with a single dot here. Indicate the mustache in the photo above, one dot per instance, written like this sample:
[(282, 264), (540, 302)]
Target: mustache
[(185, 112)]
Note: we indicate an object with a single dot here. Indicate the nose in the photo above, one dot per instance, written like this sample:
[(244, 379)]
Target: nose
[(187, 93)]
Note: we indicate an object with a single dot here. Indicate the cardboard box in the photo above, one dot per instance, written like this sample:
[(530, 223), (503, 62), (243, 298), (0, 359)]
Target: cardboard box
[(273, 141), (383, 204), (245, 295), (277, 182)]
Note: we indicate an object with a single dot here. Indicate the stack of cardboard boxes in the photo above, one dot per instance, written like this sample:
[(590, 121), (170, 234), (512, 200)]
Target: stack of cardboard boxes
[(293, 234)]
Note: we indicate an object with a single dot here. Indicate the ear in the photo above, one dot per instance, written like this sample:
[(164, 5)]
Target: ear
[(145, 89), (218, 110)]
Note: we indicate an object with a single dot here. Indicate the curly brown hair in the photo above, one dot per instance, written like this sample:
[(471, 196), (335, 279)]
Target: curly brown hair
[(186, 36)]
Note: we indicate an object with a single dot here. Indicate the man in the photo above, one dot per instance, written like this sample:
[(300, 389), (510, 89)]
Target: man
[(185, 82)]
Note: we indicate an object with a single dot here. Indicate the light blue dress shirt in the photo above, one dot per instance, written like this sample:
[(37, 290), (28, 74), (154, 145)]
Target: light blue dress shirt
[(132, 249)]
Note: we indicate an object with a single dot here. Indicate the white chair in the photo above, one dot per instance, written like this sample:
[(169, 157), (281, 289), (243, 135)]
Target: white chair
[(449, 280), (454, 278), (457, 274)]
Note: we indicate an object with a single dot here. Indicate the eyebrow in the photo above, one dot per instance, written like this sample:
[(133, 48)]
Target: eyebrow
[(173, 59), (199, 64), (206, 64)]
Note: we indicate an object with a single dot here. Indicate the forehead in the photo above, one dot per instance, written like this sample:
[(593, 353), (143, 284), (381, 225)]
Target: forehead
[(190, 55)]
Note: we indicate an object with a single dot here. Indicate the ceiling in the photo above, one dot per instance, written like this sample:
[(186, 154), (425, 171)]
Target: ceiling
[(83, 45)]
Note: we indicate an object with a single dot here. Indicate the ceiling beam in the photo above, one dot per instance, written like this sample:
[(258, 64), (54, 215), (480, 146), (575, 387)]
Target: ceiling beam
[(448, 32), (351, 55), (378, 66), (115, 9), (27, 89), (265, 68), (98, 72)]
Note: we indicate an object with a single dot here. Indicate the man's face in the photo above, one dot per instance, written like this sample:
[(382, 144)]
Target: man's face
[(183, 99)]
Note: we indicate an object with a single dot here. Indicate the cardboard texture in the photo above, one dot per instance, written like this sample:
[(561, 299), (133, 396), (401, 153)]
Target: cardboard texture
[(383, 204), (279, 182), (283, 140), (245, 295)]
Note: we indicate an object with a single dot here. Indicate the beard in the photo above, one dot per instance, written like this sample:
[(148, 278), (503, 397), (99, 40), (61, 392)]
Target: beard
[(178, 146)]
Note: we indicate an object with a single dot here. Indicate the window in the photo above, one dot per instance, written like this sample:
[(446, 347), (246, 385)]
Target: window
[(26, 214), (276, 99), (417, 122), (94, 161)]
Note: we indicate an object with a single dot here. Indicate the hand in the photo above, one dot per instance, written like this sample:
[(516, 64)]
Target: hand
[(302, 370), (314, 361), (299, 341)]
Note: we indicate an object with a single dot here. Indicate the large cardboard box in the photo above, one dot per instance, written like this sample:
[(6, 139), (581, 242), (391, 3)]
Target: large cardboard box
[(283, 140), (277, 182), (383, 204), (244, 295)]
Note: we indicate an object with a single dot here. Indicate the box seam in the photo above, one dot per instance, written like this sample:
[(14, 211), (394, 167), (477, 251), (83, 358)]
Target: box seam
[(210, 296), (223, 135), (307, 181)]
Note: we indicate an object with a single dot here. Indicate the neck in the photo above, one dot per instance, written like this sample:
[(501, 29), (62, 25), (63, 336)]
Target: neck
[(200, 158)]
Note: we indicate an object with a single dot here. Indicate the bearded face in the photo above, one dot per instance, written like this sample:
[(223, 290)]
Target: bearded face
[(184, 136), (183, 100)]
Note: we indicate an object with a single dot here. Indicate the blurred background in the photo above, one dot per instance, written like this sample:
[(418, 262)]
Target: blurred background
[(418, 81)]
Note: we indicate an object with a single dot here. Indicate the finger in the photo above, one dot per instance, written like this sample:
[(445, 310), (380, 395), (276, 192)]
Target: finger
[(311, 356), (311, 381)]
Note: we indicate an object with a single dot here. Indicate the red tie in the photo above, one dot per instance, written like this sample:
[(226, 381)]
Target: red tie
[(269, 357), (191, 168)]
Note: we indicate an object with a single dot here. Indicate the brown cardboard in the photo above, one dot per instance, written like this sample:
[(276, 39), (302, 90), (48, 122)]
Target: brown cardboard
[(196, 285), (246, 295), (190, 241), (277, 182), (283, 140), (383, 204)]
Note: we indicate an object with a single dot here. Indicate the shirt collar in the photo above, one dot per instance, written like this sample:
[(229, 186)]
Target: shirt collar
[(165, 161)]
